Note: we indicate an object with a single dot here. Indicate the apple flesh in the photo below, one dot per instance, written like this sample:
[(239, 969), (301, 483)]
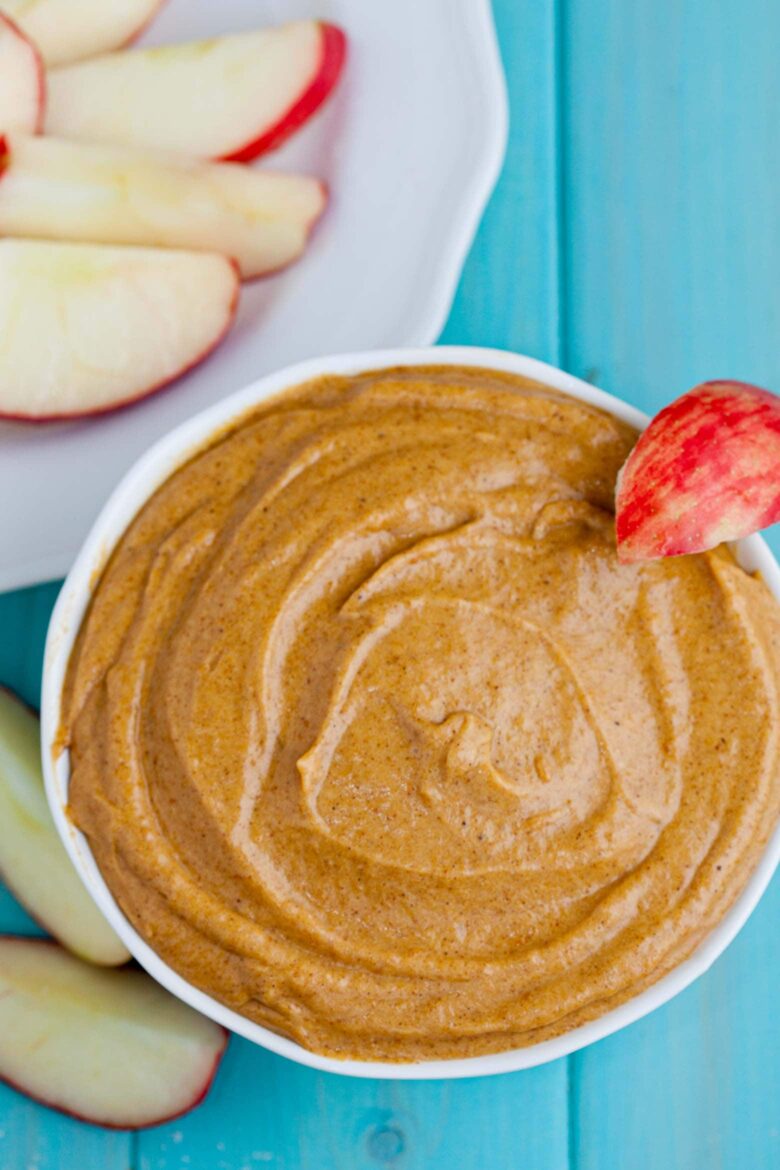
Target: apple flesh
[(53, 189), (33, 861), (68, 30), (232, 97), (85, 328), (706, 470), (22, 81), (109, 1047)]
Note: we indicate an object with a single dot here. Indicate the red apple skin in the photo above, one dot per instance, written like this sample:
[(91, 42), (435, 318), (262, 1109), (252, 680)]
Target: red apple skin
[(333, 56), (40, 69), (125, 402), (705, 471), (107, 1125), (120, 1128), (49, 942)]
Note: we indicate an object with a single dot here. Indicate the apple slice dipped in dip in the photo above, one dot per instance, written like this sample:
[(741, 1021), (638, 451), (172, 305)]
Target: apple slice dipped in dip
[(706, 470)]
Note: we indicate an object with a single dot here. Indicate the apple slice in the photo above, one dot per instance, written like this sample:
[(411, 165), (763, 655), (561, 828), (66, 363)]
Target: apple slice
[(85, 329), (22, 81), (68, 30), (706, 470), (50, 188), (110, 1047), (232, 97), (33, 861)]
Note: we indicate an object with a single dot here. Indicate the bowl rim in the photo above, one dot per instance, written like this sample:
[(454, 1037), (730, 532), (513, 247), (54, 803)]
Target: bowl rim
[(134, 489)]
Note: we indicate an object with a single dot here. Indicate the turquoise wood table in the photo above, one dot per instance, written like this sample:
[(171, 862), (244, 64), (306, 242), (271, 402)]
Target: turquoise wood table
[(634, 239)]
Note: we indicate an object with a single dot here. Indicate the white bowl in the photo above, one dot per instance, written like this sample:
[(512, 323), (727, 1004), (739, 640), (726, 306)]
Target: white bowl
[(139, 483)]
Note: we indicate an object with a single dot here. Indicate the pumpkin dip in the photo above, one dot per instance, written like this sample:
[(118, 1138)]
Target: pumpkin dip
[(375, 741)]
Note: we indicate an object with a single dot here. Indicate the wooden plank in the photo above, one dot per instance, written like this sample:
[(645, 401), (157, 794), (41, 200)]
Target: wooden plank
[(671, 161), (509, 293), (671, 158), (24, 617), (266, 1111), (34, 1138)]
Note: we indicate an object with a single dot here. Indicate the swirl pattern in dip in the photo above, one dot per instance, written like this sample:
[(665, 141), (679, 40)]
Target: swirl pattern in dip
[(375, 740)]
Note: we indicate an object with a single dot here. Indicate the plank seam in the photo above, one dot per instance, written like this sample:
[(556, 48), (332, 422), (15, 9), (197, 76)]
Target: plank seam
[(561, 178), (560, 96)]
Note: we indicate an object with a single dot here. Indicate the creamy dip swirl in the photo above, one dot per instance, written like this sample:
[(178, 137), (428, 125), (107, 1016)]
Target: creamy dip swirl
[(375, 741)]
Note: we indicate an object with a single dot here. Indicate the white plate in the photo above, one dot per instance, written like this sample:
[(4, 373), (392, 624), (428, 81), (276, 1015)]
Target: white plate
[(411, 146)]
